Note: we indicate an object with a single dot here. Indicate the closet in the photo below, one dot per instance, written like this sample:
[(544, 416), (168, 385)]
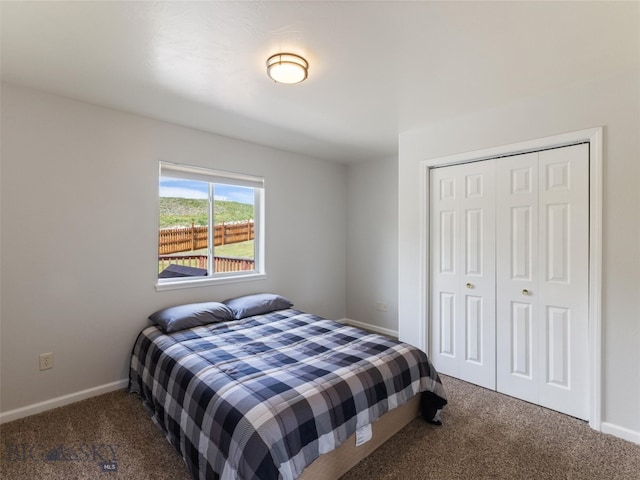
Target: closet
[(509, 275)]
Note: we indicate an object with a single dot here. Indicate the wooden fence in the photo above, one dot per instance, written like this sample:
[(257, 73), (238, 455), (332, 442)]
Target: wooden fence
[(195, 237), (220, 264)]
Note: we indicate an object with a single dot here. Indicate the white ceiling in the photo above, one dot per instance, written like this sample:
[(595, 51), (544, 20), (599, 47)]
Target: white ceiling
[(376, 68)]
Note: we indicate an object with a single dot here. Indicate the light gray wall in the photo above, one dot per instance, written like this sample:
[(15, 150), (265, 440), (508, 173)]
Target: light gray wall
[(613, 103), (372, 240), (79, 236)]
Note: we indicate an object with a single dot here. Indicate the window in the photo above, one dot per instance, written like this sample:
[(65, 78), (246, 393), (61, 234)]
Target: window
[(210, 226)]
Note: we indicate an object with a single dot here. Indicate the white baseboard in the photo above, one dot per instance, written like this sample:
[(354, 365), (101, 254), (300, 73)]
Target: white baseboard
[(61, 401), (373, 328), (620, 432)]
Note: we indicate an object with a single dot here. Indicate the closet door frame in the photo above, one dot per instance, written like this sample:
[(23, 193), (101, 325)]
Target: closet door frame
[(594, 137)]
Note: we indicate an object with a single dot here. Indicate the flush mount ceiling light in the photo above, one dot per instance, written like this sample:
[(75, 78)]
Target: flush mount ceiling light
[(287, 68)]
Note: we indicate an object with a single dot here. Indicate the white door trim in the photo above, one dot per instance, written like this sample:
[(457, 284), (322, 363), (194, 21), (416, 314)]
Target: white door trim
[(594, 137)]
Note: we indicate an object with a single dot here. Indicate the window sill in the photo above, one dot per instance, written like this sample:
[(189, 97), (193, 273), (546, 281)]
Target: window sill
[(207, 282)]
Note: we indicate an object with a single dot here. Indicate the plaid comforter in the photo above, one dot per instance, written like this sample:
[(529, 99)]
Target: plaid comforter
[(262, 397)]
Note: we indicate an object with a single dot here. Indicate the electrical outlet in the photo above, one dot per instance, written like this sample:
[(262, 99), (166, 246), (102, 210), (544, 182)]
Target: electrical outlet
[(381, 306), (46, 361)]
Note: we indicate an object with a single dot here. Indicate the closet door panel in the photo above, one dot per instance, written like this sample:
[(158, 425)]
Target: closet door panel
[(478, 280), (564, 276), (444, 215), (516, 272), (463, 271)]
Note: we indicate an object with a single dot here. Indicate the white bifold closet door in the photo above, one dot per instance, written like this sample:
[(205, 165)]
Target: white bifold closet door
[(463, 266), (509, 275), (542, 276)]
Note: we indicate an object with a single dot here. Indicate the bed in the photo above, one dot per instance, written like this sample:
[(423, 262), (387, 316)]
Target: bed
[(253, 388)]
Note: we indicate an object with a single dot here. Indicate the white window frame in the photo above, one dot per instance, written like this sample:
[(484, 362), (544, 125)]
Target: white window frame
[(185, 172)]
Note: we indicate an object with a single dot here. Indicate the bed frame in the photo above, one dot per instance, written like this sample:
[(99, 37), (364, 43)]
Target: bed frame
[(336, 463)]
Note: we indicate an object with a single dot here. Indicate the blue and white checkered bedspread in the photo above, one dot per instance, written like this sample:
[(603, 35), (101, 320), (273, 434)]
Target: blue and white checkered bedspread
[(262, 397)]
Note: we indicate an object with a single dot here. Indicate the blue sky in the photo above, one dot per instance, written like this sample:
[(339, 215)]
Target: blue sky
[(172, 187)]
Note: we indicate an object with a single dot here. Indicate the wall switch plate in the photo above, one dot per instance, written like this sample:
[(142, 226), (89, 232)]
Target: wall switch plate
[(46, 361)]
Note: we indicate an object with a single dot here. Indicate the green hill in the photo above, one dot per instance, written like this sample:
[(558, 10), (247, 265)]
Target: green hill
[(183, 211)]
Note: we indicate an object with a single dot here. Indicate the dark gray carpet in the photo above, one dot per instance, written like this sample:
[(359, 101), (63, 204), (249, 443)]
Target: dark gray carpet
[(485, 436)]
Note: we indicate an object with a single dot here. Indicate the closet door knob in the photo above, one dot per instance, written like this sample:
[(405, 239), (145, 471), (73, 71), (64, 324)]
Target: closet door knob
[(525, 292), (469, 285)]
